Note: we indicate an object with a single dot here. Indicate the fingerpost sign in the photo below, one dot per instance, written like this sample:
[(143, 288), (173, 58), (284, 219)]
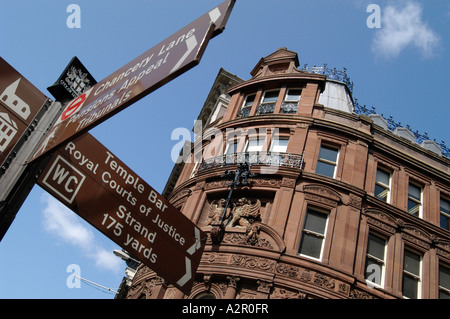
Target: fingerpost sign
[(90, 180), (146, 73)]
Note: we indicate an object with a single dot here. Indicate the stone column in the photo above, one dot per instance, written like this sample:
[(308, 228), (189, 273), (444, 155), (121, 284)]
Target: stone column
[(263, 289), (232, 287)]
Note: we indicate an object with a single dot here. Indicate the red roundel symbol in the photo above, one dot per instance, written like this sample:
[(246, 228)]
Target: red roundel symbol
[(73, 107)]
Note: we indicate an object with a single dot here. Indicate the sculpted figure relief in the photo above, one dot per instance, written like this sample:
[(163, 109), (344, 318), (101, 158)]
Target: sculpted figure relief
[(244, 212), (216, 210), (240, 213)]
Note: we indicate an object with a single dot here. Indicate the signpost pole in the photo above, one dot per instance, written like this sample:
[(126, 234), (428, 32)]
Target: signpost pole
[(100, 188)]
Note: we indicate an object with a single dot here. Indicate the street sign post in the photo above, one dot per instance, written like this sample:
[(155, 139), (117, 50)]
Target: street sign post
[(24, 114), (93, 182), (90, 180), (157, 66), (20, 102)]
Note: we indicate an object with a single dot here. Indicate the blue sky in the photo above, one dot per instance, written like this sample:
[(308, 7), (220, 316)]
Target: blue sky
[(400, 68)]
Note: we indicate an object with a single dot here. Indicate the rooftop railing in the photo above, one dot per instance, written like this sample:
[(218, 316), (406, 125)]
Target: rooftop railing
[(392, 125), (333, 74)]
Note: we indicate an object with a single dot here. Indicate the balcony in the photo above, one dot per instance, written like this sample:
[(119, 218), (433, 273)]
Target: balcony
[(254, 158), (265, 108)]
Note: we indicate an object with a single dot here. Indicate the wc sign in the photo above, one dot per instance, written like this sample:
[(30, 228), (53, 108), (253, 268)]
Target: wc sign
[(64, 179)]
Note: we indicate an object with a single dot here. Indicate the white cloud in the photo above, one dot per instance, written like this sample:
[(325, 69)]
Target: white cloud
[(402, 28), (65, 225)]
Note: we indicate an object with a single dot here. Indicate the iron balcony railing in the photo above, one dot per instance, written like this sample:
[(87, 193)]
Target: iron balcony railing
[(255, 158)]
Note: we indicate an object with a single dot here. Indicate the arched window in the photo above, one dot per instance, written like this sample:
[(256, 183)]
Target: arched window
[(206, 295)]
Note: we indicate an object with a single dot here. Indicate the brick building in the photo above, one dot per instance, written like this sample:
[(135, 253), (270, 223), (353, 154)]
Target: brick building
[(337, 205)]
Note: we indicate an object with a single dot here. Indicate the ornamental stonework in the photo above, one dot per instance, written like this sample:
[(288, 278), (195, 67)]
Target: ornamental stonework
[(287, 270), (251, 262), (322, 192), (282, 293)]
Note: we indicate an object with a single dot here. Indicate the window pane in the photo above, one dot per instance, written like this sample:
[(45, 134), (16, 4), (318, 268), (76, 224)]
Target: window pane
[(414, 192), (445, 222), (270, 97), (444, 277), (293, 95), (410, 287), (445, 207), (381, 192), (444, 295), (376, 247), (311, 245), (279, 145), (249, 100), (328, 153), (316, 221), (255, 145), (411, 263), (373, 271), (232, 147), (325, 169), (383, 177), (413, 207)]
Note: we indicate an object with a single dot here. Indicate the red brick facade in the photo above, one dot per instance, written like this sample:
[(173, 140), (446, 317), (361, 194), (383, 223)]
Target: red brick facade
[(281, 254)]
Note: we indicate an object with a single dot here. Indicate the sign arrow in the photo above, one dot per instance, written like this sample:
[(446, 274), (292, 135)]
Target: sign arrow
[(138, 78), (214, 15), (197, 243), (191, 44), (188, 275)]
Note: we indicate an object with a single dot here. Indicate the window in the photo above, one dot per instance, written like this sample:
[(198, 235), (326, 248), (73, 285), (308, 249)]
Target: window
[(246, 108), (279, 145), (231, 147), (268, 102), (444, 282), (326, 164), (206, 295), (253, 149), (230, 152), (254, 145), (445, 214), (313, 234), (383, 185), (375, 260), (414, 200), (291, 101), (412, 275)]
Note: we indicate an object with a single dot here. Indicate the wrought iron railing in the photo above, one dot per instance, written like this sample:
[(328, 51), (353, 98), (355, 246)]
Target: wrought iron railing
[(244, 112), (392, 125), (255, 158), (265, 108), (289, 107), (332, 74)]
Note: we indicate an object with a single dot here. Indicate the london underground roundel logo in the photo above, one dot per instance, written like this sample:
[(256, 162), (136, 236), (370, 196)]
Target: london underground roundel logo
[(74, 106)]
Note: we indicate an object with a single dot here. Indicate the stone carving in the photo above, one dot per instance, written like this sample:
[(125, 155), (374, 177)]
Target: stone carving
[(281, 293), (253, 262), (322, 191), (287, 270), (324, 281), (244, 213), (216, 210)]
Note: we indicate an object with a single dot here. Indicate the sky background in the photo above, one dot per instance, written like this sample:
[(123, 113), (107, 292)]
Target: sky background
[(400, 68)]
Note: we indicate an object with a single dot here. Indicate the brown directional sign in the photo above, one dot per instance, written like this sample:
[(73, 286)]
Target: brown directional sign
[(95, 184), (20, 101), (160, 64)]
